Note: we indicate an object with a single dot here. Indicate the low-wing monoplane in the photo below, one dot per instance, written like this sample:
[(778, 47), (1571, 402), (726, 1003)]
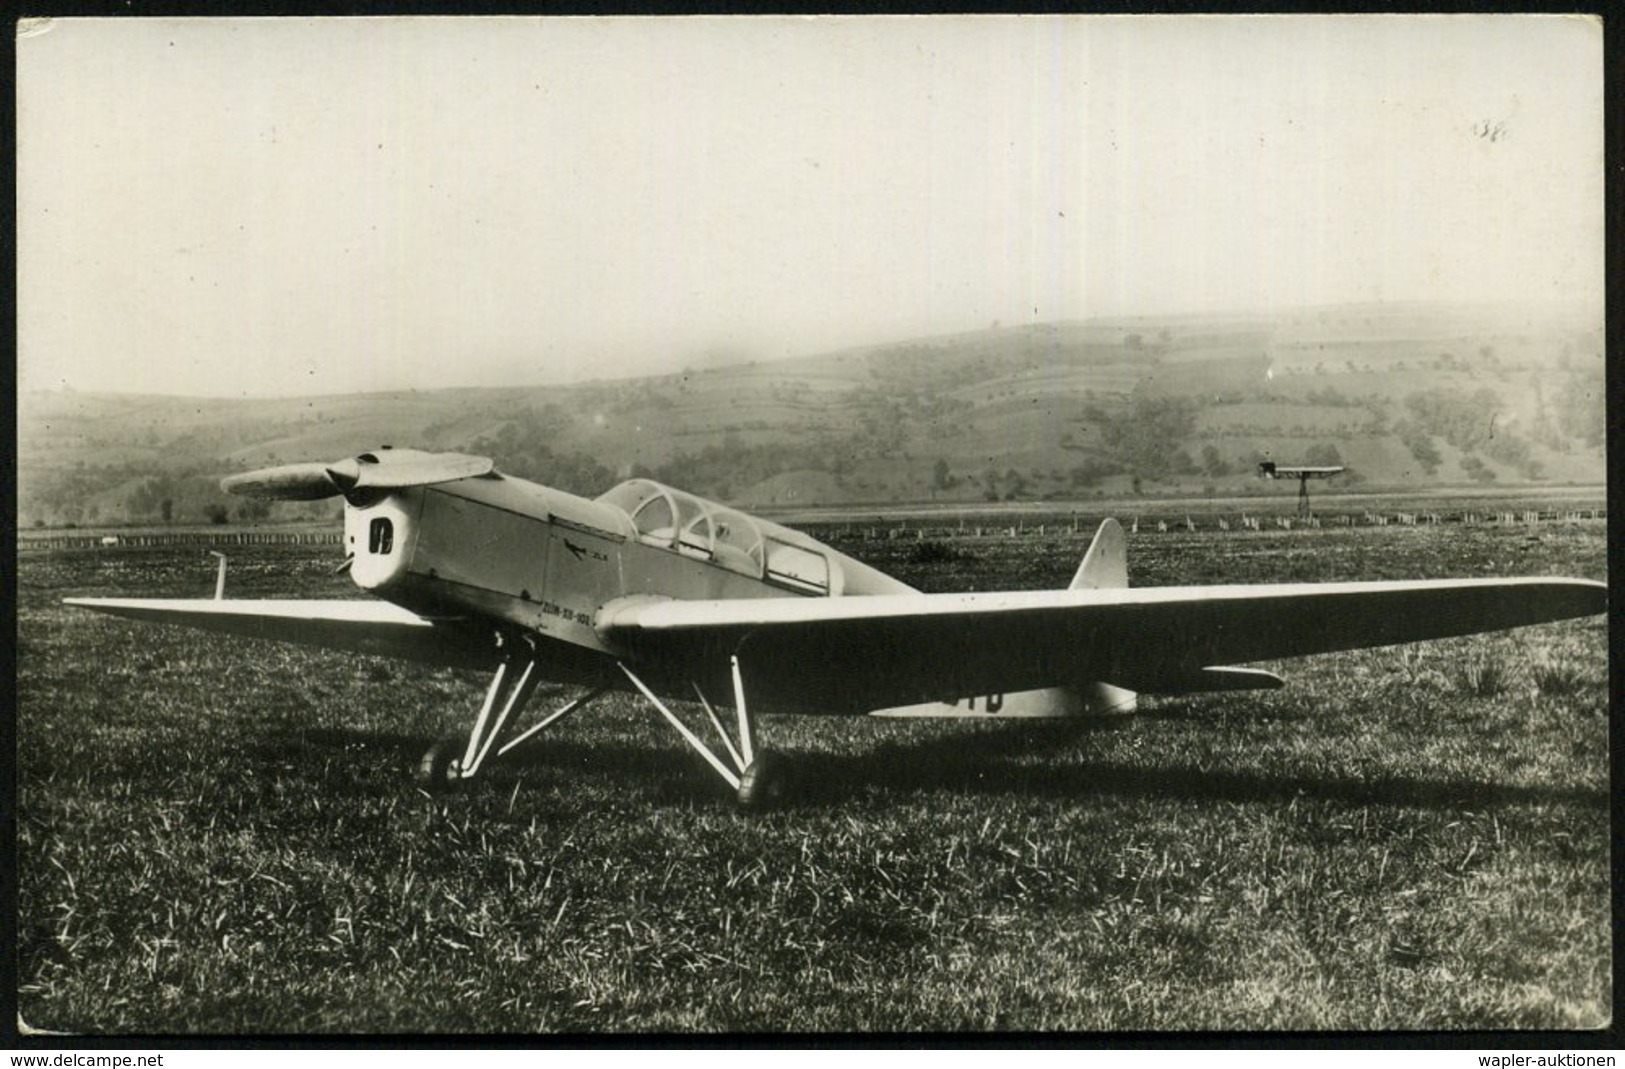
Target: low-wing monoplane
[(650, 589)]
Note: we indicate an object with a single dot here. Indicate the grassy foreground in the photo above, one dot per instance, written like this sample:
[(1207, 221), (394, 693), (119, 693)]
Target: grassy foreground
[(220, 836)]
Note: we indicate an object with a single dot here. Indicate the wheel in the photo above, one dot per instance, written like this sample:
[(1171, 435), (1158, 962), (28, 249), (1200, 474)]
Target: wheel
[(438, 770), (766, 783)]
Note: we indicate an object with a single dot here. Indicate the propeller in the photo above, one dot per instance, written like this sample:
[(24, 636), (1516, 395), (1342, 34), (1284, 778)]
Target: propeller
[(386, 469)]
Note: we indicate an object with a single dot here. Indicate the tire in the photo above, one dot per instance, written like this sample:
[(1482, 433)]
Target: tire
[(437, 771), (766, 784)]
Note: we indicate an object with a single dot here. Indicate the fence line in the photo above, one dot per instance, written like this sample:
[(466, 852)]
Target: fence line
[(1228, 523), (184, 538), (873, 531)]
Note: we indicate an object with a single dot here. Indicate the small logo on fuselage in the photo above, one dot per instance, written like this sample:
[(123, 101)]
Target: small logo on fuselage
[(582, 552)]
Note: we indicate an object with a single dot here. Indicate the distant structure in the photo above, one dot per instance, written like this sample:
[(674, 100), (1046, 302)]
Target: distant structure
[(1271, 470)]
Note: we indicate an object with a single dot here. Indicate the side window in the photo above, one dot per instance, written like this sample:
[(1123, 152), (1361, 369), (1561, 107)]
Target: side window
[(381, 536), (795, 567), (654, 521), (696, 537), (738, 544)]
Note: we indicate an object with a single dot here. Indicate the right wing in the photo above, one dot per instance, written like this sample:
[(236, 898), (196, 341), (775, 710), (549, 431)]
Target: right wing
[(858, 653), (358, 626)]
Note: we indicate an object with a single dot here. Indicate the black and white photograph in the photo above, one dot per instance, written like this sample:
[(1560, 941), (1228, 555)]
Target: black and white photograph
[(780, 526)]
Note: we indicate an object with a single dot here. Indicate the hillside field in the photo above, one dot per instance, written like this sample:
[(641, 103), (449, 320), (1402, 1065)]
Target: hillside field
[(1411, 398)]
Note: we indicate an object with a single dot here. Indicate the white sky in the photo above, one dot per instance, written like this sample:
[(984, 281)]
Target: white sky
[(230, 207)]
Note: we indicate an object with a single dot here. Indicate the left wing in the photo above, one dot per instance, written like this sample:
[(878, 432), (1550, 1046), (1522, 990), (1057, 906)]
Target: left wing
[(858, 653), (359, 626)]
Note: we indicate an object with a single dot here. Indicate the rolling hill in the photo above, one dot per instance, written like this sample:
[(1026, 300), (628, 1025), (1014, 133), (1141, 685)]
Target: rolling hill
[(1410, 396)]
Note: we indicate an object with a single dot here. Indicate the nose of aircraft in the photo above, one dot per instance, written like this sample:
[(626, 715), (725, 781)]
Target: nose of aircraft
[(379, 538)]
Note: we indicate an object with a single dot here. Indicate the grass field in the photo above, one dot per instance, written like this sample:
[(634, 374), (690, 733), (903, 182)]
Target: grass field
[(220, 837)]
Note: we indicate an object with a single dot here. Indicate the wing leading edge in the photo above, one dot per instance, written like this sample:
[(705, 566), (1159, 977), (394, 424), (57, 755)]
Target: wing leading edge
[(376, 627), (859, 653)]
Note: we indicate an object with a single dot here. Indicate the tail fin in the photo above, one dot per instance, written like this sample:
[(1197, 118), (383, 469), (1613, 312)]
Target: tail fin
[(1106, 563), (1104, 566)]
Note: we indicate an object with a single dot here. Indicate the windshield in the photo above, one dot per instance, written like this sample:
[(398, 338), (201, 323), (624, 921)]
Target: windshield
[(663, 516)]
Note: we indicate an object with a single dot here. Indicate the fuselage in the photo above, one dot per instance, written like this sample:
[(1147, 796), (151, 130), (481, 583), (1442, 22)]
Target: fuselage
[(541, 563), (521, 562)]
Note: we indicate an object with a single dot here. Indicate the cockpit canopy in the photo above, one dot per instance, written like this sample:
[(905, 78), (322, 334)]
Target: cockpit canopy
[(672, 519)]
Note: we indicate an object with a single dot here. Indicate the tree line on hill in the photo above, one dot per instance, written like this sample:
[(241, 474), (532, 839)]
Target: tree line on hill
[(80, 495)]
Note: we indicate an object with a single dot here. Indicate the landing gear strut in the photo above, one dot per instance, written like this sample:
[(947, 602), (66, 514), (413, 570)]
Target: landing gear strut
[(451, 762), (759, 780)]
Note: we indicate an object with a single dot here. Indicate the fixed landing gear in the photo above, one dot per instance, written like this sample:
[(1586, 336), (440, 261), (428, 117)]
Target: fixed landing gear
[(759, 780)]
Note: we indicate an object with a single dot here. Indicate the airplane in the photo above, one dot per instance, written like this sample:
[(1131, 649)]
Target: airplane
[(1271, 470), (655, 591)]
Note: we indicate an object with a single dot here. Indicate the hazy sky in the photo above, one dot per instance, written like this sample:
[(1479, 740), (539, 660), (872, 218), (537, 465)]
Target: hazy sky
[(228, 207)]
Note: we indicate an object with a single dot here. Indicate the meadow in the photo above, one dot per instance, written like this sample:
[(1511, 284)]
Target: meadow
[(223, 837)]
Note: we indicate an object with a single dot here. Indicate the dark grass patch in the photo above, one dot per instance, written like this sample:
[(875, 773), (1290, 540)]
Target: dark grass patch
[(1558, 675), (219, 836), (1483, 677), (934, 551)]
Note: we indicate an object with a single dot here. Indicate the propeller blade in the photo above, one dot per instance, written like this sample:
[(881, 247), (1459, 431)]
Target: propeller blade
[(290, 482), (395, 469), (391, 469)]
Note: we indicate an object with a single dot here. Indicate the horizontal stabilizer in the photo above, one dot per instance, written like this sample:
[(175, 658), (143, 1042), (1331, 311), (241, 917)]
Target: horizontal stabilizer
[(1082, 699), (1212, 679)]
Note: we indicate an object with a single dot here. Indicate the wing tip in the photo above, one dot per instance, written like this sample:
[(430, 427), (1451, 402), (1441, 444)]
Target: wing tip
[(89, 603)]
